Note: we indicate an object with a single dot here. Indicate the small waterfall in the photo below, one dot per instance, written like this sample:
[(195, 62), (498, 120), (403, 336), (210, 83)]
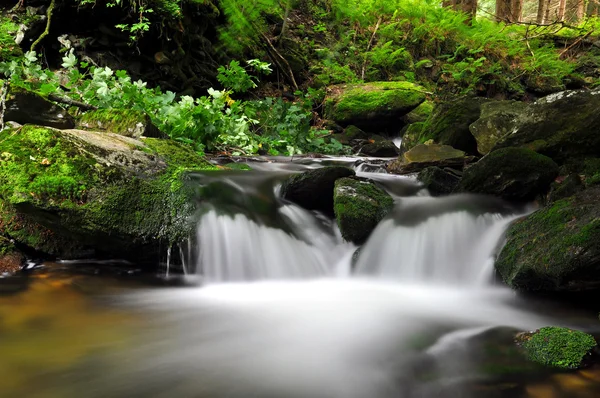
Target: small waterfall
[(456, 247), (235, 248)]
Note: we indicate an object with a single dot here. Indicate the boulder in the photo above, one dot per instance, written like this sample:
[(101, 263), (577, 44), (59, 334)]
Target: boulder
[(495, 122), (556, 248), (562, 126), (411, 136), (558, 347), (381, 149), (354, 133), (26, 107), (73, 193), (565, 187), (313, 189), (449, 124), (420, 114), (359, 206), (129, 123), (437, 181), (511, 173), (423, 156), (376, 105)]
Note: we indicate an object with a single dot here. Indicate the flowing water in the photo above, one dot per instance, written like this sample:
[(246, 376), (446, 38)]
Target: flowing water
[(276, 304)]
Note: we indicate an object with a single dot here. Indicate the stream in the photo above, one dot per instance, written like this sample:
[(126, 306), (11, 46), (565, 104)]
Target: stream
[(269, 301)]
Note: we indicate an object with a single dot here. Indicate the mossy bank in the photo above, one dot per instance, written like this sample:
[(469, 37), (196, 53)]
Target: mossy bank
[(72, 193)]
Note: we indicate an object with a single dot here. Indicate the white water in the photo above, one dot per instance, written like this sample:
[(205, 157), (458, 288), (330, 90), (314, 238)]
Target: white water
[(303, 326)]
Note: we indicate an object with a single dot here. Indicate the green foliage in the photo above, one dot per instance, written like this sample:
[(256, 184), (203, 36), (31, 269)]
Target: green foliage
[(559, 347), (214, 121)]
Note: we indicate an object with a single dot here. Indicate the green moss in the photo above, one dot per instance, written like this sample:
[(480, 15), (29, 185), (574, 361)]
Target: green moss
[(412, 136), (559, 347), (238, 166), (8, 48), (555, 247), (129, 123), (420, 114), (351, 103), (359, 206)]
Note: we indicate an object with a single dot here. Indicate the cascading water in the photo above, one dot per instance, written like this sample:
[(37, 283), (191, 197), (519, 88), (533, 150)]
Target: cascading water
[(281, 314)]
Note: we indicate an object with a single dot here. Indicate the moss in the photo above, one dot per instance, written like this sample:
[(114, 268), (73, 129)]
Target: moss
[(129, 123), (558, 347), (8, 48), (58, 197), (554, 248), (350, 104), (238, 166), (420, 114), (412, 136), (359, 205)]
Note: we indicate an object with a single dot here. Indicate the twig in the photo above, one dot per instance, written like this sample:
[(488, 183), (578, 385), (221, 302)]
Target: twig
[(362, 73), (273, 52), (72, 102), (47, 30), (563, 52)]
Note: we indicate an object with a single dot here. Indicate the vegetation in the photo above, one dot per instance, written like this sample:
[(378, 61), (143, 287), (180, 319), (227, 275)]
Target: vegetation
[(559, 347)]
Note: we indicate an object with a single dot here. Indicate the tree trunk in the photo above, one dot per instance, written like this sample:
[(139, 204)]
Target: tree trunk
[(503, 10), (541, 11), (469, 7), (516, 10), (562, 7)]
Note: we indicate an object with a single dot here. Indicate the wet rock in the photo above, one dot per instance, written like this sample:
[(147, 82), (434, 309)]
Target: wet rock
[(376, 105), (556, 248), (423, 156), (411, 136), (511, 173), (437, 181), (381, 149), (359, 206), (313, 189), (495, 123), (561, 126), (563, 188), (419, 114), (557, 347), (449, 124), (129, 123), (26, 107), (354, 133), (67, 193)]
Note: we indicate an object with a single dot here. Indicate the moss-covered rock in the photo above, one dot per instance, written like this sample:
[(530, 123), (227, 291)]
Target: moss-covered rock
[(354, 133), (556, 248), (382, 149), (25, 107), (423, 156), (557, 347), (313, 189), (129, 123), (437, 181), (411, 136), (565, 187), (562, 126), (69, 193), (420, 114), (511, 173), (495, 122), (377, 105), (449, 124), (359, 206)]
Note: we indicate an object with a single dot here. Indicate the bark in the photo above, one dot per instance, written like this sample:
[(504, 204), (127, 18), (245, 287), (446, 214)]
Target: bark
[(562, 7)]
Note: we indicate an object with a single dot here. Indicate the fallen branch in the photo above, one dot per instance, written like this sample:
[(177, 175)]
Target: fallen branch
[(71, 102), (563, 52), (362, 73)]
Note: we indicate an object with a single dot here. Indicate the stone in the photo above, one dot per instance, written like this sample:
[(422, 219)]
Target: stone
[(359, 206), (372, 106), (128, 123), (449, 124), (423, 156), (26, 107), (420, 114), (561, 126), (313, 190), (437, 181), (381, 149), (73, 193), (558, 347), (511, 173), (564, 188), (555, 249), (495, 123)]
